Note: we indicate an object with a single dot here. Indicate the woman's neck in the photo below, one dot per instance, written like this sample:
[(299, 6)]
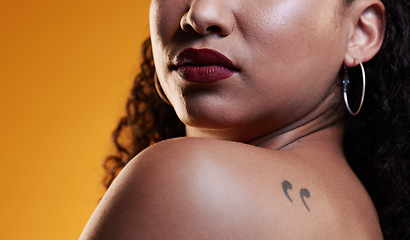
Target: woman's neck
[(324, 121)]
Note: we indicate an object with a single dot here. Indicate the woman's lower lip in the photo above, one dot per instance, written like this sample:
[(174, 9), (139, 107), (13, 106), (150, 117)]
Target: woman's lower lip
[(204, 74)]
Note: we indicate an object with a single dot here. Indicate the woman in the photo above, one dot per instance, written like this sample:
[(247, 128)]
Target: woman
[(262, 90)]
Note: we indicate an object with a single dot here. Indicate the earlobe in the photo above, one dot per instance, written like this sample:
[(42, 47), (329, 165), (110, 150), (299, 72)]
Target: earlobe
[(368, 34)]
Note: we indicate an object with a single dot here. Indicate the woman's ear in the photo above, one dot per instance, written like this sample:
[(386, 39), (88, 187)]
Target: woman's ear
[(368, 18)]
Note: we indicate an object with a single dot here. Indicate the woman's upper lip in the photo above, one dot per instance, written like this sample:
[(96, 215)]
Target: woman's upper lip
[(203, 57)]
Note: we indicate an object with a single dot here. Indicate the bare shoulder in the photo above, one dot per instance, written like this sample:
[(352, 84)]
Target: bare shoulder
[(191, 188)]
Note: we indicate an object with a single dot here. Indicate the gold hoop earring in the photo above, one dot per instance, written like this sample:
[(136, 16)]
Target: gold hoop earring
[(160, 93), (346, 83)]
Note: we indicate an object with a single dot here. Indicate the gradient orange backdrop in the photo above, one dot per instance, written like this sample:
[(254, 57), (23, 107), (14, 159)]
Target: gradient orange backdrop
[(65, 72)]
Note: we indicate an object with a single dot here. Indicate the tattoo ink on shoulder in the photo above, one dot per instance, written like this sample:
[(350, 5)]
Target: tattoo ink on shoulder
[(286, 185), (304, 193)]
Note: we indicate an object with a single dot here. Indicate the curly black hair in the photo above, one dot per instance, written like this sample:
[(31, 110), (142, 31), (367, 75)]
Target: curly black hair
[(148, 119), (376, 142)]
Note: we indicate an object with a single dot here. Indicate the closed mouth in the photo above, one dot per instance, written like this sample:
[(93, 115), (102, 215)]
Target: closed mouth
[(203, 65)]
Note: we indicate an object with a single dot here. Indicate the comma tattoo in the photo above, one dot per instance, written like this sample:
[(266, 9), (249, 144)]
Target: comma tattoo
[(286, 186), (304, 193)]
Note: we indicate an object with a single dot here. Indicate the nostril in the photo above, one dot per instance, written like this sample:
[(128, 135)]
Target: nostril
[(214, 29), (188, 28)]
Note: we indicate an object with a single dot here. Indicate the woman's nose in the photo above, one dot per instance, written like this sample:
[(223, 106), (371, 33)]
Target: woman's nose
[(208, 16)]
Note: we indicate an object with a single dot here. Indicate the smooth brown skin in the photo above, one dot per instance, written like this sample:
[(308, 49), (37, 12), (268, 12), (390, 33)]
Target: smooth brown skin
[(219, 188)]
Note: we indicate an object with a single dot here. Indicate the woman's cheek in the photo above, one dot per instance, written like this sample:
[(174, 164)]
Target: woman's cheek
[(165, 19)]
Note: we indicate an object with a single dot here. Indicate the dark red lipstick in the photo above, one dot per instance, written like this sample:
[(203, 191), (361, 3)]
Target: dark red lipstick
[(203, 65)]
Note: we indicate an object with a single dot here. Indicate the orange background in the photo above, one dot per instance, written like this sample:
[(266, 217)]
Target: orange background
[(65, 71)]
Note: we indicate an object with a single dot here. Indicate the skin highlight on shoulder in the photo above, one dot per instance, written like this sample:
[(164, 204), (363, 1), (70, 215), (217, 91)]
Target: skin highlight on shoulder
[(192, 188)]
